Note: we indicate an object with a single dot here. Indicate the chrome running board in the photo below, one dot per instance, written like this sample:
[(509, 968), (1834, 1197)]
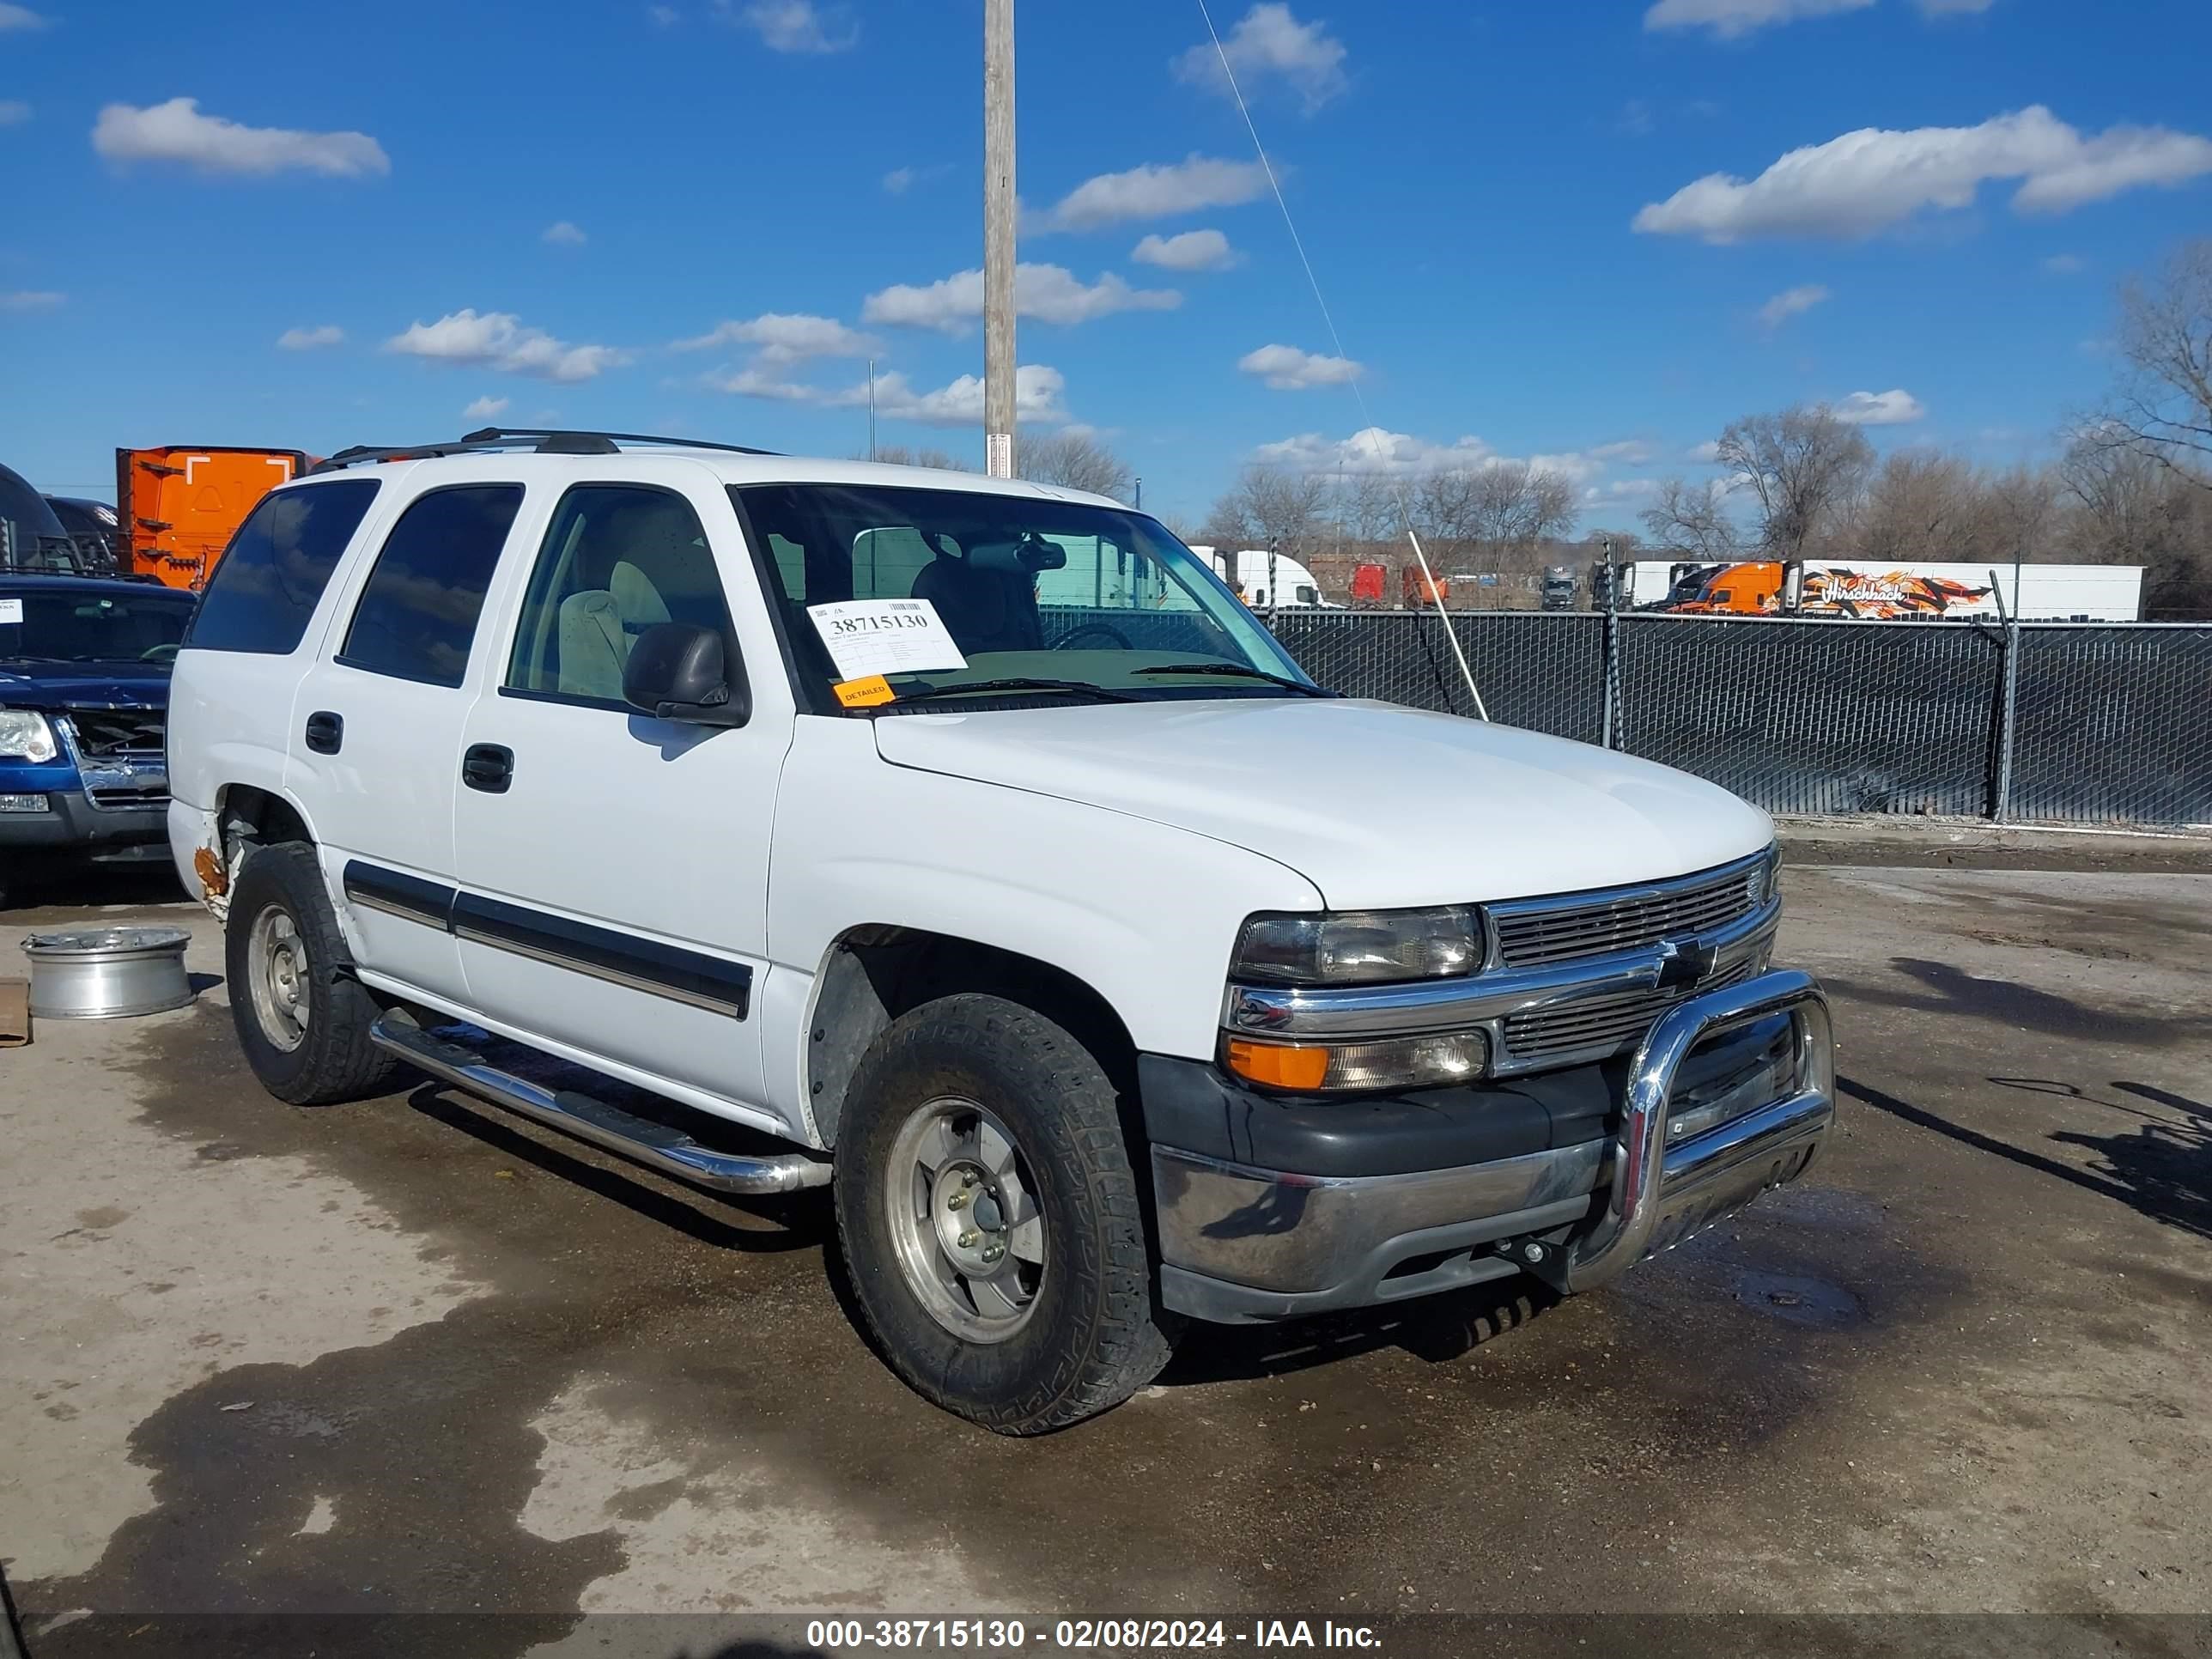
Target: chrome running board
[(657, 1146)]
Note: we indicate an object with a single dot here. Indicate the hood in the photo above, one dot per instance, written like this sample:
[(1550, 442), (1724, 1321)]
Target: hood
[(83, 685), (1377, 804)]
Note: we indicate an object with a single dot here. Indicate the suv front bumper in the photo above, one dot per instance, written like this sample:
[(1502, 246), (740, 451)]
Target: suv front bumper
[(1745, 1072)]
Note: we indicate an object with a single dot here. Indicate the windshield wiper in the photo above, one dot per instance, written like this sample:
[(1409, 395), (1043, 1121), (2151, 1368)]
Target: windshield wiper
[(1241, 671), (1079, 687)]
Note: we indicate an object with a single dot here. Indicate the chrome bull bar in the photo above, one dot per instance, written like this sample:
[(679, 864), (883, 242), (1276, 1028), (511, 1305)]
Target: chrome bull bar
[(1658, 1195)]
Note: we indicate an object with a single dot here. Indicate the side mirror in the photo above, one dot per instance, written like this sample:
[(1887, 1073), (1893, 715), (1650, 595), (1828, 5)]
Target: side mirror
[(679, 672)]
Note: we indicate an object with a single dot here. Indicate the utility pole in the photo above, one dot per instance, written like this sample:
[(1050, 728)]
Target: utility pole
[(999, 238), (871, 409)]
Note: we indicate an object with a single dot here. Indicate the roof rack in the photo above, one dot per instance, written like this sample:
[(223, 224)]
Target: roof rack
[(542, 441)]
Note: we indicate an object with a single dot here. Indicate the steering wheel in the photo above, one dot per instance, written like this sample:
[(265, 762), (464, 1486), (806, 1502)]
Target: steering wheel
[(158, 654), (1066, 642)]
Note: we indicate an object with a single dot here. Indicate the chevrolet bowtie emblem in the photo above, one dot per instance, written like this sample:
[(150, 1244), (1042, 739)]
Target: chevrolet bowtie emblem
[(1684, 961)]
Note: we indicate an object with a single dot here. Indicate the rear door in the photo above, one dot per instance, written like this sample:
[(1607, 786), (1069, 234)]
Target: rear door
[(377, 727), (614, 866)]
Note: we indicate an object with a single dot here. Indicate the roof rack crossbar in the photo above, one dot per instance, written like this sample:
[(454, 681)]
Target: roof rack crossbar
[(545, 441), (515, 434)]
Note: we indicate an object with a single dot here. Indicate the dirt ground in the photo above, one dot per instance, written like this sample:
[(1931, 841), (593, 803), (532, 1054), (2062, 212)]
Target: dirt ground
[(264, 1370)]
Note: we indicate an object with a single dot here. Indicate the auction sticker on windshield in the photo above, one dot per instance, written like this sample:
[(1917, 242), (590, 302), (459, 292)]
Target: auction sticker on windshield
[(885, 636), (11, 611)]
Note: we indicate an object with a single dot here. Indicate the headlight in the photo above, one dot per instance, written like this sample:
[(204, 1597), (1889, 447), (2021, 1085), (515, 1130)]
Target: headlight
[(1765, 879), (1414, 1062), (1360, 947), (25, 735)]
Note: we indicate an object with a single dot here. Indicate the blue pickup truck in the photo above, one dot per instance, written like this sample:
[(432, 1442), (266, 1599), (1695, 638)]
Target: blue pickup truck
[(84, 702)]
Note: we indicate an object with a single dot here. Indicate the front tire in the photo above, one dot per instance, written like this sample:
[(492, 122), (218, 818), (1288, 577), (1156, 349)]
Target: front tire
[(302, 1018), (990, 1218)]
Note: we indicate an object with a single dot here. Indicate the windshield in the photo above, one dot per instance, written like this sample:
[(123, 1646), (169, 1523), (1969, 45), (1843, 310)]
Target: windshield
[(94, 627), (1089, 597)]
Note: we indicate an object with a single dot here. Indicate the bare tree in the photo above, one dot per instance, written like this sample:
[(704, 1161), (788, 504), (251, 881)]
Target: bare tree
[(1804, 466), (1270, 506), (1920, 504), (1688, 518), (2164, 410), (2127, 507), (1365, 506), (1075, 460), (900, 455)]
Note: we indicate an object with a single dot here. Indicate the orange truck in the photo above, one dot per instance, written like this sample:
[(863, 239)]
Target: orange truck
[(1763, 588), (178, 505)]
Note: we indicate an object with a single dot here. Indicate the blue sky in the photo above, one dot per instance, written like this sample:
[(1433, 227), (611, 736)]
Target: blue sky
[(1544, 228)]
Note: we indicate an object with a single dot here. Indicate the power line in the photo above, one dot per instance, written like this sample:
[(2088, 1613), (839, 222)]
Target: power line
[(1367, 421)]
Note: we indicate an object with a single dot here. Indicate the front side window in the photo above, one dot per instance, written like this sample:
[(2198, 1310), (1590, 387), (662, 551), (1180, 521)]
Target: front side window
[(271, 578), (50, 625), (418, 616), (1098, 598), (616, 559)]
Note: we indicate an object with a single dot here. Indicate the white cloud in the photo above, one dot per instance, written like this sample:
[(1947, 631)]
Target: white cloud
[(1629, 452), (1952, 7), (485, 408), (562, 232), (1729, 19), (13, 17), (1377, 450), (1896, 407), (497, 339), (1051, 294), (1708, 452), (177, 132), (897, 180), (1270, 46), (1194, 250), (1792, 302), (663, 16), (23, 299), (14, 111), (310, 339), (1867, 180), (1038, 389), (798, 25), (2065, 265), (1156, 191), (1622, 492), (784, 337), (1286, 368)]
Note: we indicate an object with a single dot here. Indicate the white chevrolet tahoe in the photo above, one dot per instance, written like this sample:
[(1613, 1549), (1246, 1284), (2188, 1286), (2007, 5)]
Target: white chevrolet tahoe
[(965, 846)]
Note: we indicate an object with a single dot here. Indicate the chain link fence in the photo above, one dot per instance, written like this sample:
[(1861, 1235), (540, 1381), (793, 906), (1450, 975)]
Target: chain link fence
[(2064, 722)]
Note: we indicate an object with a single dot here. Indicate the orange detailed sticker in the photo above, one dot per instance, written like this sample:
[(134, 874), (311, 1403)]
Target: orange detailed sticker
[(864, 693)]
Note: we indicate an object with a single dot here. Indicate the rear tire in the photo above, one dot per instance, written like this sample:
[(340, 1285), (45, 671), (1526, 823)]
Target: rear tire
[(303, 1018), (976, 1126)]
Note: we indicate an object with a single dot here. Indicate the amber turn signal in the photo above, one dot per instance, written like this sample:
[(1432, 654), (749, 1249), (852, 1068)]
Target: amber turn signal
[(1279, 1064)]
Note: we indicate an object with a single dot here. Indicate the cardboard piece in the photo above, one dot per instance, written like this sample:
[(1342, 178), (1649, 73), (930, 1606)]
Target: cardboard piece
[(15, 1012)]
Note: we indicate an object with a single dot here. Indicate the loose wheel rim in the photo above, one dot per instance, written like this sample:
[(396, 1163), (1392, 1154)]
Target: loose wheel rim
[(278, 979), (966, 1227)]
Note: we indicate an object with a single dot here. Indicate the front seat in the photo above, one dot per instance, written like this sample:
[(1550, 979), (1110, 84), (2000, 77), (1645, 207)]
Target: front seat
[(600, 623), (985, 610)]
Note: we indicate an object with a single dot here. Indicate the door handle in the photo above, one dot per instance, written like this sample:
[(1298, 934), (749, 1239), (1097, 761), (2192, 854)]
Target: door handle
[(488, 767), (325, 731)]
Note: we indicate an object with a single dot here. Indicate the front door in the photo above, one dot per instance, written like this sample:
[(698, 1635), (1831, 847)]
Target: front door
[(376, 720), (614, 866)]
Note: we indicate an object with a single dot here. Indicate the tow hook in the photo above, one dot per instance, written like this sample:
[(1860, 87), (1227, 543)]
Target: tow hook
[(1547, 1261)]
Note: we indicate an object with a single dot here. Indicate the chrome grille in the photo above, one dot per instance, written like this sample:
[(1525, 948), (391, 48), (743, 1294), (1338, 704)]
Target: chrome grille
[(104, 731), (1607, 1022), (1594, 924)]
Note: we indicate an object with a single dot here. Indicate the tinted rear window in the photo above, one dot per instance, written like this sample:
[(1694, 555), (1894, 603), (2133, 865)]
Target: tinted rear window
[(418, 617), (273, 574)]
